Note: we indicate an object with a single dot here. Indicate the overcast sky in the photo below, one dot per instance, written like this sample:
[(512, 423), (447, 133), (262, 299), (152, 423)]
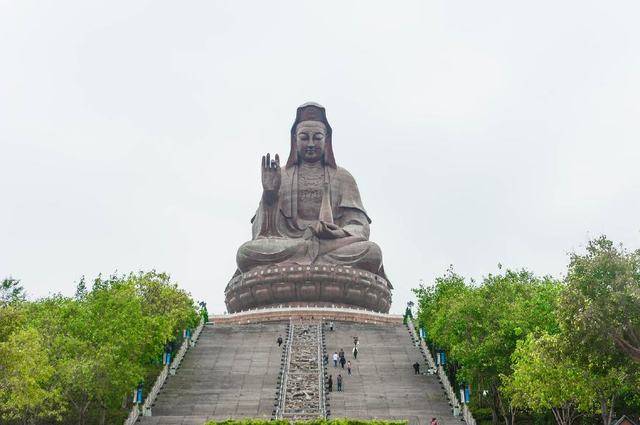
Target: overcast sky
[(479, 132)]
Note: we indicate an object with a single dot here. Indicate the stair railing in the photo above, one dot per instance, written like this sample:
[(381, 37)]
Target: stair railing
[(285, 373), (133, 415), (162, 377), (321, 382), (197, 332), (467, 416), (451, 394), (448, 388), (175, 364), (153, 394)]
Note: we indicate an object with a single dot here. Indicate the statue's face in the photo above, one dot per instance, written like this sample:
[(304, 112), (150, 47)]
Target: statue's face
[(310, 140)]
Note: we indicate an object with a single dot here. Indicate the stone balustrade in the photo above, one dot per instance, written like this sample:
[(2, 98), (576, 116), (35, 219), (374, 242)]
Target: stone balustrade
[(307, 312)]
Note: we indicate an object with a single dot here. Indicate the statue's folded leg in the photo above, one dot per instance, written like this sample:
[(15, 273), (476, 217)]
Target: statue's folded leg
[(365, 255), (362, 254), (260, 252)]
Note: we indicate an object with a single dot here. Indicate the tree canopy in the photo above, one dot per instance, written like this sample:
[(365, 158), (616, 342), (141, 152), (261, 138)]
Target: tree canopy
[(517, 337), (77, 359)]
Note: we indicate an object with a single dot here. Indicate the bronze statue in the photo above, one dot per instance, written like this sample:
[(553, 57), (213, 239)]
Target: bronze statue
[(310, 241)]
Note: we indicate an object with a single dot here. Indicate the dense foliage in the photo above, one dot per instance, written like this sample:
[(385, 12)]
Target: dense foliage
[(77, 360), (533, 347)]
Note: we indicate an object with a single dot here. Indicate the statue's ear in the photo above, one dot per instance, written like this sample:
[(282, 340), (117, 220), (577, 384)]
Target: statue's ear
[(328, 153)]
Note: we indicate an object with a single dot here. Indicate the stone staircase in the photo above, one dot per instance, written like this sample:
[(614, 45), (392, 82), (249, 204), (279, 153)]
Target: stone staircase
[(238, 371), (383, 384), (232, 372)]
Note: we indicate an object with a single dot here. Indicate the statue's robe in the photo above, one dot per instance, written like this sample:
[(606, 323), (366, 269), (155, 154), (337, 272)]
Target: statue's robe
[(298, 245)]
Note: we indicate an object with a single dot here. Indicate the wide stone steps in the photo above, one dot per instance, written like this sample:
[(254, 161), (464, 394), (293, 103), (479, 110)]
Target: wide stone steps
[(383, 384), (232, 372)]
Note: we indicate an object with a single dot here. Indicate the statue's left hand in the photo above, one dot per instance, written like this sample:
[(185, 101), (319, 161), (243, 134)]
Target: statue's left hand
[(325, 230)]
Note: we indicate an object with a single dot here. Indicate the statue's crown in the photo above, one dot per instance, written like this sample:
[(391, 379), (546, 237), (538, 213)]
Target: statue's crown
[(311, 111)]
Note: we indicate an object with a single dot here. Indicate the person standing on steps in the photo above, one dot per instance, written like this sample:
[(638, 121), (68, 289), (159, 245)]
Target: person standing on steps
[(279, 341), (341, 353), (330, 383), (349, 368), (339, 380), (355, 353), (335, 359), (166, 357), (137, 399), (416, 368), (342, 361)]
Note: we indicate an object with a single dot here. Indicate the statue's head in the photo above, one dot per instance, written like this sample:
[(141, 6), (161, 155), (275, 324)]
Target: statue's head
[(310, 141), (311, 137)]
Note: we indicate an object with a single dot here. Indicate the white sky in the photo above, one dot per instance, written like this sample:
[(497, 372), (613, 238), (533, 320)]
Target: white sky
[(478, 131)]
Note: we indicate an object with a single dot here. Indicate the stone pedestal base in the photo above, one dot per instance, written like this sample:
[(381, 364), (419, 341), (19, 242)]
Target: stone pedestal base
[(319, 285)]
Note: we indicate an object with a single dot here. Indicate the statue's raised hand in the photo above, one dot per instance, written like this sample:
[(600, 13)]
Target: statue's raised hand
[(271, 177)]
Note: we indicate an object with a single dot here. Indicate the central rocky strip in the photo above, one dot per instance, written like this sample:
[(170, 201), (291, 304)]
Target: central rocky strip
[(304, 383)]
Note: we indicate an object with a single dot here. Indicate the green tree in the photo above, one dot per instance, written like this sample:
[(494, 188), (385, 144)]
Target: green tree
[(480, 325), (599, 309), (27, 390), (11, 291), (431, 298), (164, 301), (544, 378), (12, 318), (81, 289), (110, 337), (77, 359)]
